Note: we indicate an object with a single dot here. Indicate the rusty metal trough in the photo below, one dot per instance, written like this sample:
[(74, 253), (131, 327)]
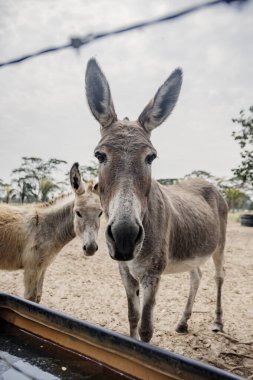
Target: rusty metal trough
[(106, 353)]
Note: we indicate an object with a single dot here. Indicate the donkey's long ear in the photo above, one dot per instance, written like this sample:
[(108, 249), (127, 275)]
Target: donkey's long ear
[(96, 188), (76, 180), (159, 108), (99, 95)]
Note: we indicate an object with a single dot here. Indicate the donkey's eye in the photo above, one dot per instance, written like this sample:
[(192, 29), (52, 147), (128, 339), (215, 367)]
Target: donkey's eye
[(100, 156), (100, 214), (150, 158), (79, 214)]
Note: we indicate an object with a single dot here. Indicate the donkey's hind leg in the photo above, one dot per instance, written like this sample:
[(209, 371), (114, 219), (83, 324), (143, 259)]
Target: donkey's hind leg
[(195, 276), (218, 259)]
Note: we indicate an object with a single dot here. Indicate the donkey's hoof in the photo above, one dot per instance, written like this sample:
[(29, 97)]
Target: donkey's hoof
[(217, 327), (146, 335), (182, 329), (33, 299)]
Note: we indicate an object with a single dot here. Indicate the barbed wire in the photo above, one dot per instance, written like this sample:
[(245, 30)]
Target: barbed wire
[(77, 42)]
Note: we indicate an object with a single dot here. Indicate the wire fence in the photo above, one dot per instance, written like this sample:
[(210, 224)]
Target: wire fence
[(77, 42)]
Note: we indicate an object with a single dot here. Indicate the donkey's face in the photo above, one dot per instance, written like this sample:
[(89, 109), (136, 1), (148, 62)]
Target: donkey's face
[(87, 211), (125, 154)]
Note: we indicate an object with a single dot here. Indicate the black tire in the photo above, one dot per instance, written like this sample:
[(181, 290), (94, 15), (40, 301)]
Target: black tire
[(247, 220)]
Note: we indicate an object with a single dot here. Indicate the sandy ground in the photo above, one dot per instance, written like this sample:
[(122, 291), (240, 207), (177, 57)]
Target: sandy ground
[(91, 289)]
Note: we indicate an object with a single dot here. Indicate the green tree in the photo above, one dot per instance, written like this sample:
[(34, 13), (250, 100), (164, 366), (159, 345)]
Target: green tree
[(167, 181), (199, 174), (89, 171), (235, 198), (25, 189), (1, 188), (46, 186), (8, 192), (34, 173), (244, 136)]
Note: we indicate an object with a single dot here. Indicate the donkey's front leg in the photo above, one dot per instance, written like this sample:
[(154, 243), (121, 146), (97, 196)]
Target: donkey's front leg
[(133, 298), (150, 284), (40, 285), (33, 281)]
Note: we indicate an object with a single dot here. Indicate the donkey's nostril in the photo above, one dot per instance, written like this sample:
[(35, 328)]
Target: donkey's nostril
[(139, 235), (109, 231), (90, 248)]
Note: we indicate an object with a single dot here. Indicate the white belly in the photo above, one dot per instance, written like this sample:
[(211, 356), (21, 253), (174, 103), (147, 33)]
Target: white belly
[(184, 266)]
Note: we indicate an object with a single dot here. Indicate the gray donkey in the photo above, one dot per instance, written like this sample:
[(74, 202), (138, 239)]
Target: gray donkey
[(152, 229)]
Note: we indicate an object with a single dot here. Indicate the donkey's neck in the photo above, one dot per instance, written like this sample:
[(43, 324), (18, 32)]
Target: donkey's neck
[(58, 223), (157, 216)]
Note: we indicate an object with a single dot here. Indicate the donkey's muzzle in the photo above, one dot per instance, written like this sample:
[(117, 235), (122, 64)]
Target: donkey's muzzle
[(90, 249), (123, 238)]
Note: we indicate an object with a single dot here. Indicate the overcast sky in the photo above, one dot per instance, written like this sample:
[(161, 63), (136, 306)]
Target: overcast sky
[(43, 110)]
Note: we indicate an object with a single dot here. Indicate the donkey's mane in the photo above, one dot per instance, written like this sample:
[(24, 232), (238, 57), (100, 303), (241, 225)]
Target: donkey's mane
[(54, 201)]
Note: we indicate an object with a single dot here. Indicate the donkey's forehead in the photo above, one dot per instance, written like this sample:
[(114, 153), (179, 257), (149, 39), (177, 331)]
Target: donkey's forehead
[(125, 134), (88, 200)]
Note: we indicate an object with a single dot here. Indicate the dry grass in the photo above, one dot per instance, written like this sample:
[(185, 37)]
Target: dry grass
[(234, 217)]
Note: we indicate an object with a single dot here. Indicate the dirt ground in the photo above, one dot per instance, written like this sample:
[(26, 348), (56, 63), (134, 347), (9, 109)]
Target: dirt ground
[(91, 289)]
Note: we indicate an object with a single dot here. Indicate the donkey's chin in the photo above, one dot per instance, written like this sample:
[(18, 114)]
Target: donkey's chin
[(117, 255), (88, 254), (121, 257)]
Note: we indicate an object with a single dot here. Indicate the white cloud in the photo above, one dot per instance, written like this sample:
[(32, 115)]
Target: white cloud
[(43, 111)]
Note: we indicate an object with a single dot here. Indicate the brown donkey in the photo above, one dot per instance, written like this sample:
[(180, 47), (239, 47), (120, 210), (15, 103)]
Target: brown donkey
[(31, 236), (152, 229)]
